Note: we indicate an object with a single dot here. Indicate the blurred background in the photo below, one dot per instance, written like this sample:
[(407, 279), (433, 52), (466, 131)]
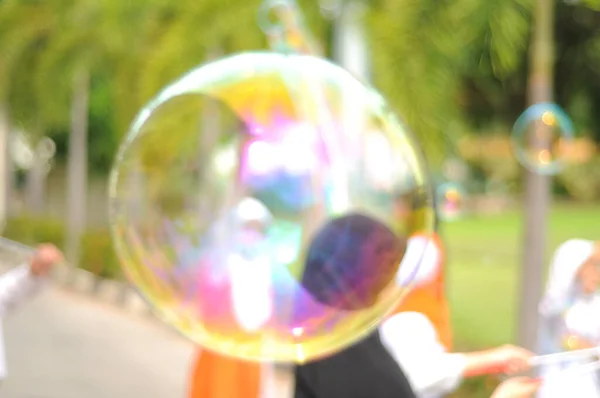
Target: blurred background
[(74, 73)]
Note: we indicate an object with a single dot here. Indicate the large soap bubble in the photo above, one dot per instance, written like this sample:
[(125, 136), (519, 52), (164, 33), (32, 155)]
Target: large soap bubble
[(263, 205)]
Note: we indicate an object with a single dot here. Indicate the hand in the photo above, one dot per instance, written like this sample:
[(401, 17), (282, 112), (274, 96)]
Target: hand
[(518, 387), (573, 343), (510, 359), (46, 257)]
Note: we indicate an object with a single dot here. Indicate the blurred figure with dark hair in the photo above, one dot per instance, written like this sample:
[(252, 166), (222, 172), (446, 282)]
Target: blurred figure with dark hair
[(344, 252), (350, 261)]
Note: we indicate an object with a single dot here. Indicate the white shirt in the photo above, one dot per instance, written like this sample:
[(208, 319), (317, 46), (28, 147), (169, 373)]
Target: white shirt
[(15, 286), (412, 341), (581, 320)]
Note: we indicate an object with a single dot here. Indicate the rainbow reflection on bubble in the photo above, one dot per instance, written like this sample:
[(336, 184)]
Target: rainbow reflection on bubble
[(541, 137), (262, 205)]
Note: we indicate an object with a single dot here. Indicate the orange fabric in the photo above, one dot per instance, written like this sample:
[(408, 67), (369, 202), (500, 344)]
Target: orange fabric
[(217, 376), (430, 299)]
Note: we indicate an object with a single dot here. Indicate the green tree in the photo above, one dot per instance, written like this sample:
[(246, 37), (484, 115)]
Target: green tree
[(91, 38), (427, 54), (25, 29), (593, 4)]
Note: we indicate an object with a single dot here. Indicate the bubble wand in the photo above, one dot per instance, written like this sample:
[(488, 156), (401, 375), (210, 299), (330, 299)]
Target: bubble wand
[(576, 371), (20, 248), (562, 357), (558, 358)]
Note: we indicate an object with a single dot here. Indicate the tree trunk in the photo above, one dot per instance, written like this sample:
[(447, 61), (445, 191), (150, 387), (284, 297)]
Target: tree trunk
[(5, 162), (77, 166), (35, 186), (210, 129), (350, 45), (537, 191)]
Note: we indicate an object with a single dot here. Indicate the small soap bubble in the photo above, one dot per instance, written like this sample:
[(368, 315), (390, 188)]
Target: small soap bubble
[(541, 137)]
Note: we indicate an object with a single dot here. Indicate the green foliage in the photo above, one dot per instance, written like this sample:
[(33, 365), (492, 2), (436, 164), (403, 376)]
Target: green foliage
[(427, 54), (103, 137), (414, 66), (582, 182), (24, 30), (451, 68), (97, 253), (594, 4), (32, 230)]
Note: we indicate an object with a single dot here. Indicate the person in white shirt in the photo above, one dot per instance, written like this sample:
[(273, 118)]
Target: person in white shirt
[(433, 372), (21, 283), (413, 340), (570, 319)]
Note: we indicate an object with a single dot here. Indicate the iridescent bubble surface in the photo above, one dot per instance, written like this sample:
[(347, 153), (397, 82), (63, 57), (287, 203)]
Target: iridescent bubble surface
[(263, 205), (541, 138)]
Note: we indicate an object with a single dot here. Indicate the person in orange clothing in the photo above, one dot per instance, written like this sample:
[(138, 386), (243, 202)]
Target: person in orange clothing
[(428, 295), (217, 376)]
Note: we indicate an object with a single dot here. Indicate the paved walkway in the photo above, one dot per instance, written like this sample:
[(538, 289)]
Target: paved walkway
[(65, 345)]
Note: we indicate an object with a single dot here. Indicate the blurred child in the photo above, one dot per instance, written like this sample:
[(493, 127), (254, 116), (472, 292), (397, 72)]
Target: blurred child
[(19, 284), (570, 318)]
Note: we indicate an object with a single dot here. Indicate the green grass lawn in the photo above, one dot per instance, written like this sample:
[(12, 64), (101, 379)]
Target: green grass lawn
[(484, 259), (483, 269)]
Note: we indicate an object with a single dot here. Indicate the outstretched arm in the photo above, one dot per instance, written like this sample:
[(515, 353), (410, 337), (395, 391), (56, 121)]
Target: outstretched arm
[(20, 283), (507, 359), (412, 341)]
